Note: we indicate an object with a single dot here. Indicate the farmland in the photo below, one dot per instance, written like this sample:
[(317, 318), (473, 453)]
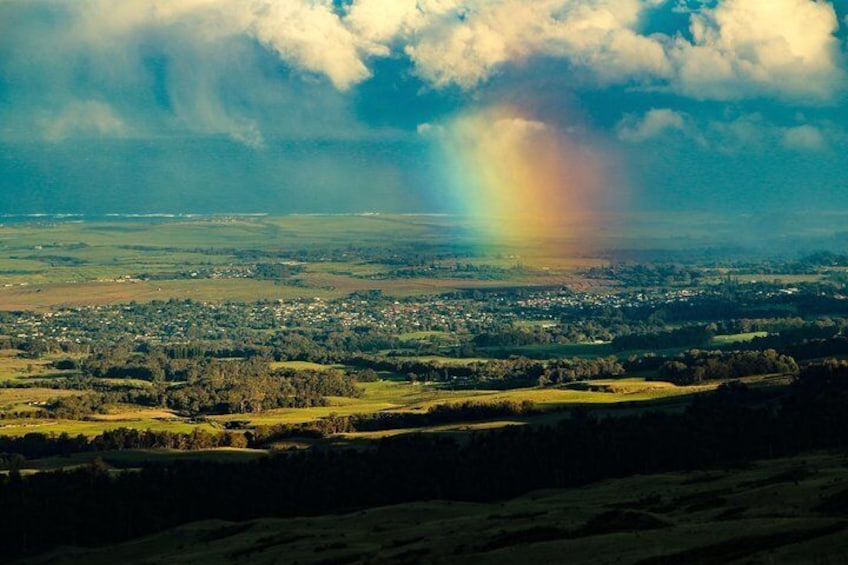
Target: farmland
[(381, 396), (406, 313), (237, 344), (47, 264)]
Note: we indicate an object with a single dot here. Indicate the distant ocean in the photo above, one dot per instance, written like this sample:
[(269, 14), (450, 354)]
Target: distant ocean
[(78, 218)]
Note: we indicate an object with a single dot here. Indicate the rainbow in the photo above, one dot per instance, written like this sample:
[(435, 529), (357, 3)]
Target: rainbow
[(521, 181)]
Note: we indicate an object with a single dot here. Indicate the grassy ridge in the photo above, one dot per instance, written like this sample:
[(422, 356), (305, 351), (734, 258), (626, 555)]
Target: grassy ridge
[(776, 511)]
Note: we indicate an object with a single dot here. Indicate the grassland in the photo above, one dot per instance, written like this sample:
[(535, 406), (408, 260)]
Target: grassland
[(49, 264), (443, 360), (392, 396), (304, 366), (93, 427), (732, 339), (14, 366), (384, 395), (774, 511)]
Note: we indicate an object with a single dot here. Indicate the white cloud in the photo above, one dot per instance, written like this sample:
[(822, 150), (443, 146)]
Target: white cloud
[(430, 130), (307, 34), (744, 133), (85, 118), (742, 48), (184, 66), (804, 138), (738, 48), (384, 21), (654, 123), (215, 78), (310, 36), (466, 45), (754, 133)]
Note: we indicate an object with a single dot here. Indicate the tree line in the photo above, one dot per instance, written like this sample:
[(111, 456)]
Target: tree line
[(734, 425), (210, 386), (468, 411), (696, 367)]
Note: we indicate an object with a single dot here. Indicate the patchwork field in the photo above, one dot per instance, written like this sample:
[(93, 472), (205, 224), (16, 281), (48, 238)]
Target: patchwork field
[(381, 396), (49, 264), (14, 366)]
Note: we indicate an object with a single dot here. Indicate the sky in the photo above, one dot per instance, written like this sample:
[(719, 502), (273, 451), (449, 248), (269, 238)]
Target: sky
[(544, 108)]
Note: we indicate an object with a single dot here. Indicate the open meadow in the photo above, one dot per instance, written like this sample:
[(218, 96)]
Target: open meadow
[(45, 264), (383, 396)]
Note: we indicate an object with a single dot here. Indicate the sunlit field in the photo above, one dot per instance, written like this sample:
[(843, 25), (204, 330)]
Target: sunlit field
[(381, 396), (64, 263)]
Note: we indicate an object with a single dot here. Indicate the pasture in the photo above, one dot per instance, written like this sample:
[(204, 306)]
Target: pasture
[(380, 396), (47, 264), (29, 391), (403, 397), (14, 367), (304, 366), (732, 339), (93, 427)]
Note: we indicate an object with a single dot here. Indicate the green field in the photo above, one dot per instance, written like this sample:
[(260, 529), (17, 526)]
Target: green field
[(771, 511), (443, 360), (23, 426), (731, 339), (392, 396), (14, 366), (384, 395), (48, 264), (304, 366)]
